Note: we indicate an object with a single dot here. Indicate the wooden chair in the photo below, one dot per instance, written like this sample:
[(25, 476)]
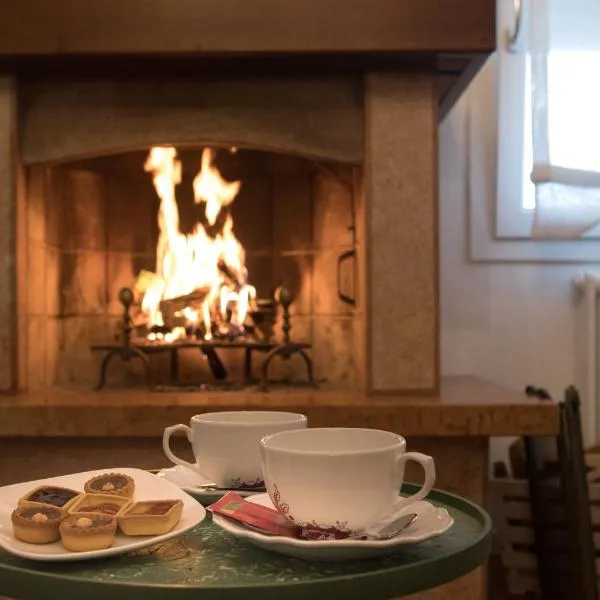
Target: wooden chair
[(560, 509)]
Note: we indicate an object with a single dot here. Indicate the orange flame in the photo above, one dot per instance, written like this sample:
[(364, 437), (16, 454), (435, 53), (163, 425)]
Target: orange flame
[(185, 264)]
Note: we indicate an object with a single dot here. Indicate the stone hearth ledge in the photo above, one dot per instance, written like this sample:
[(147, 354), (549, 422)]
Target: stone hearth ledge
[(467, 406)]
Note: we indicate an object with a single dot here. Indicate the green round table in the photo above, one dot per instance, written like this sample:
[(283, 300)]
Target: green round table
[(207, 563)]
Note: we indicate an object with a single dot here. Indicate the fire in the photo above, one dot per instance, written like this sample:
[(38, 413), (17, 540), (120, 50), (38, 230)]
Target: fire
[(211, 269)]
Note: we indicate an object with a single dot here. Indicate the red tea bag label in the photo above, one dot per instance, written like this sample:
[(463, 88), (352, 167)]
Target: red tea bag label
[(233, 506)]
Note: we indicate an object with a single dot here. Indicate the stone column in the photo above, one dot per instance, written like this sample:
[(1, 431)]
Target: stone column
[(8, 234), (400, 187)]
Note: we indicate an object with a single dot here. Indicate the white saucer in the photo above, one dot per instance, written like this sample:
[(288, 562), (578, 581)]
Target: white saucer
[(431, 521), (189, 482)]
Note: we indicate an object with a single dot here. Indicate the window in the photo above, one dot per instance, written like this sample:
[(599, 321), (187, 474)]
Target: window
[(528, 191), (501, 220)]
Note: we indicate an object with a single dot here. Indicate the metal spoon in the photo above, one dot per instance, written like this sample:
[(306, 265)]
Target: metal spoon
[(213, 487), (387, 531)]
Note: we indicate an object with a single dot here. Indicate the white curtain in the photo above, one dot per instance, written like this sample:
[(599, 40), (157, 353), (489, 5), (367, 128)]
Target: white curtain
[(564, 46)]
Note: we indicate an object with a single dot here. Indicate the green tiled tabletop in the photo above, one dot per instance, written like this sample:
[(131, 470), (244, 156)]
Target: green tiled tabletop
[(208, 564)]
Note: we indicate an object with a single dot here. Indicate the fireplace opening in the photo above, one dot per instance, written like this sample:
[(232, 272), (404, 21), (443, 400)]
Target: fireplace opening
[(194, 265)]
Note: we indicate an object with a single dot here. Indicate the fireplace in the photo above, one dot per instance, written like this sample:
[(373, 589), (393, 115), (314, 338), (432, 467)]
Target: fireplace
[(327, 119), (294, 161), (96, 224)]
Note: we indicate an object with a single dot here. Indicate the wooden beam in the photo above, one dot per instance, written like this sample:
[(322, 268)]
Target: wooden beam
[(46, 27)]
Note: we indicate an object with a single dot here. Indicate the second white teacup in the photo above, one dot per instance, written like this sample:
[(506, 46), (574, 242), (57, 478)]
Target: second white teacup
[(333, 482), (226, 444)]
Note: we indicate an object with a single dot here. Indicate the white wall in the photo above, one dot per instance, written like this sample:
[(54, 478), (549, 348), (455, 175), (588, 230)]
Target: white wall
[(511, 323)]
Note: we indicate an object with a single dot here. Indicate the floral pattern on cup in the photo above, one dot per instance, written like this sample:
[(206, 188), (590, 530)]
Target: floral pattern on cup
[(310, 531), (238, 484)]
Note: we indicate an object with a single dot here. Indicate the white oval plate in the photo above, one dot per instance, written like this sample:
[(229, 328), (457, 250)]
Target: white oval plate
[(431, 521), (147, 487), (189, 481)]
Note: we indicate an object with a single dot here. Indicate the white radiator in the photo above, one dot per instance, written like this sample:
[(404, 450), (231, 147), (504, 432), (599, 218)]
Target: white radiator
[(587, 354)]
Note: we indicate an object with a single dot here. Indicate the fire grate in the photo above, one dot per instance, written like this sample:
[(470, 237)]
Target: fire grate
[(130, 347)]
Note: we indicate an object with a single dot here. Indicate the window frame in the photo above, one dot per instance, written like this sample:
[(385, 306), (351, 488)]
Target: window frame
[(499, 226)]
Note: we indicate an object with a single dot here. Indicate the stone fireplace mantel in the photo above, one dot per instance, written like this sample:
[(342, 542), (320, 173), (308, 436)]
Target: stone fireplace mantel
[(86, 79), (381, 124)]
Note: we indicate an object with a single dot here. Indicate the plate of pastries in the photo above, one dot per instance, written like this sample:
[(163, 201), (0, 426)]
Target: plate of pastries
[(93, 514)]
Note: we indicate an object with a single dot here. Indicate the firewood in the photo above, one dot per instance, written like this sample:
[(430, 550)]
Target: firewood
[(194, 300), (229, 274), (146, 280)]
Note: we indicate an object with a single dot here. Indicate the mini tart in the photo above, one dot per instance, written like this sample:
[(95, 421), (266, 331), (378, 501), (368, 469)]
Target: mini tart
[(111, 483), (50, 495), (151, 517), (37, 524), (106, 504), (88, 531)]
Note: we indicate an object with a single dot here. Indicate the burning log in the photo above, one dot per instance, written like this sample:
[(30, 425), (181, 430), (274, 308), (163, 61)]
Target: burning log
[(146, 280), (229, 274), (169, 307)]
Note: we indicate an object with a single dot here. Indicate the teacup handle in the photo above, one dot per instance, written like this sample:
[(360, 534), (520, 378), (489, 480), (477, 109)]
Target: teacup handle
[(428, 465), (169, 431)]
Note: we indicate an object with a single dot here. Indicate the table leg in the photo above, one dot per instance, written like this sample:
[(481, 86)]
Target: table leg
[(462, 468)]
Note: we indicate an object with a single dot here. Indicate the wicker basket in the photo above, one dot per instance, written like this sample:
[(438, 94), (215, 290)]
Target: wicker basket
[(514, 527)]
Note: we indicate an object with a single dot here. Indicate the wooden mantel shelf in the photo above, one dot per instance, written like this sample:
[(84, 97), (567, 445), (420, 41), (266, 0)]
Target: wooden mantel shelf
[(45, 27), (467, 407), (452, 37)]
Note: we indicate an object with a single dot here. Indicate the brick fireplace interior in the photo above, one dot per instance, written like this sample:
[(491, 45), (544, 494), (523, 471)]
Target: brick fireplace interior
[(92, 228)]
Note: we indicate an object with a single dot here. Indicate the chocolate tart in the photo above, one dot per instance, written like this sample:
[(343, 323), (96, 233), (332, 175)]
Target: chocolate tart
[(50, 495), (37, 524), (151, 517), (106, 504), (111, 483), (88, 531)]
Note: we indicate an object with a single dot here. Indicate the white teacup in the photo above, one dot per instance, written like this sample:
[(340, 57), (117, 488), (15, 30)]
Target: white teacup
[(226, 444), (333, 482)]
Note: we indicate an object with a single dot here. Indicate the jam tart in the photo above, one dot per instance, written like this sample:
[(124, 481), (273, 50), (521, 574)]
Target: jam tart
[(151, 517), (111, 483), (106, 504), (83, 532), (50, 495), (37, 524)]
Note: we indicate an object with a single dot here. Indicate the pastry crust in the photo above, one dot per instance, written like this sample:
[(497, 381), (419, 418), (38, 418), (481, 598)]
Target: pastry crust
[(88, 531), (50, 495), (116, 484), (151, 517), (107, 504), (37, 524)]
